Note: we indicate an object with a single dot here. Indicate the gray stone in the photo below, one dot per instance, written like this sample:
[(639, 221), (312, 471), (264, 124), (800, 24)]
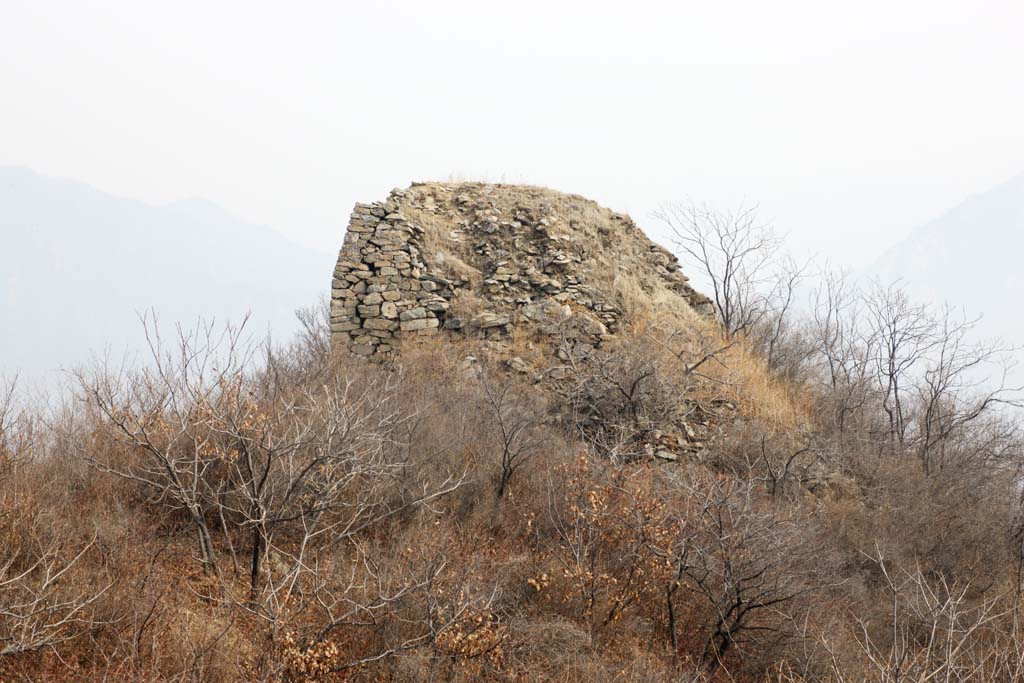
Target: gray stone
[(361, 349), (419, 324), (413, 314), (518, 364), (486, 320), (378, 324)]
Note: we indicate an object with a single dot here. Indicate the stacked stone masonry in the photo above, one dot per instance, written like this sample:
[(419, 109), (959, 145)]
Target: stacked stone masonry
[(381, 289), (522, 269)]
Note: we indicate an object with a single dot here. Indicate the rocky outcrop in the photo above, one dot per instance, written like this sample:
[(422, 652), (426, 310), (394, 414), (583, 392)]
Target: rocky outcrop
[(481, 259)]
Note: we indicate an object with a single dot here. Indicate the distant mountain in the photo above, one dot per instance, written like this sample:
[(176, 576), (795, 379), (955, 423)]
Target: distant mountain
[(78, 265), (971, 257)]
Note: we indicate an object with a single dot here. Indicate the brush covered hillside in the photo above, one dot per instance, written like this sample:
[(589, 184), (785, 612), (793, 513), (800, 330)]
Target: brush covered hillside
[(78, 267), (572, 474)]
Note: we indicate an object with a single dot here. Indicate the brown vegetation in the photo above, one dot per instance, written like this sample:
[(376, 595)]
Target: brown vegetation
[(834, 499)]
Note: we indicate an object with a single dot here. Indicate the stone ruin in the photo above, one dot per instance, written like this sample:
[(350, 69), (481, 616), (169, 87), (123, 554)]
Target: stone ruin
[(500, 256), (382, 290)]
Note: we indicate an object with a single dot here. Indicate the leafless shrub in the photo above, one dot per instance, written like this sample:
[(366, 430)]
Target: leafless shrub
[(932, 630), (161, 417), (40, 606), (623, 395), (518, 422), (743, 559)]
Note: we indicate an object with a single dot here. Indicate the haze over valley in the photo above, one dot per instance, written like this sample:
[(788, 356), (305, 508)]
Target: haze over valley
[(80, 266)]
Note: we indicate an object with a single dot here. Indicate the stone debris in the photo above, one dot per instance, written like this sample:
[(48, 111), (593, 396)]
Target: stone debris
[(517, 364), (529, 264)]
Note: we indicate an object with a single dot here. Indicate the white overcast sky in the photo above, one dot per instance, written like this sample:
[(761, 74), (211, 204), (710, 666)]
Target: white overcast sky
[(850, 123)]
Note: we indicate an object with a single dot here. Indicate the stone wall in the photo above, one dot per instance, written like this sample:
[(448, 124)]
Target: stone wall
[(382, 290), (502, 257)]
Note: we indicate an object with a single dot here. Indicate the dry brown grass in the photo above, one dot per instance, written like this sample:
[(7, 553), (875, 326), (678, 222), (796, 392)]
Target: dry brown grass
[(565, 577), (164, 620)]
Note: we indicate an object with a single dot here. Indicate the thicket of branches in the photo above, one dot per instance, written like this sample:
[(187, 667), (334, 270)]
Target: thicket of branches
[(232, 511)]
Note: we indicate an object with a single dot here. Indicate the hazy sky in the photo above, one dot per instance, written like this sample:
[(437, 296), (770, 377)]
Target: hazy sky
[(849, 122)]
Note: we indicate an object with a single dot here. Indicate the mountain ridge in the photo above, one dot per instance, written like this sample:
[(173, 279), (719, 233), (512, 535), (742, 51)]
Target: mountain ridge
[(80, 264), (968, 257)]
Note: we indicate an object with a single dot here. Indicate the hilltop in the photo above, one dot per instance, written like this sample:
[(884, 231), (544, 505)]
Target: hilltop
[(480, 258), (519, 447), (545, 284)]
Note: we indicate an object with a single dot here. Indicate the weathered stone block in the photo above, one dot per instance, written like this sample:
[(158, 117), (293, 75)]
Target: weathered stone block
[(419, 324), (413, 314), (378, 324)]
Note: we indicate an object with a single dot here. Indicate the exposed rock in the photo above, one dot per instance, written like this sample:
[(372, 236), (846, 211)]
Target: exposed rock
[(487, 320), (533, 256), (517, 364), (413, 314), (419, 324)]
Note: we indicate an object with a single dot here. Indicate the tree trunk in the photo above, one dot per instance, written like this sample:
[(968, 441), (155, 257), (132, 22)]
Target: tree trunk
[(257, 562)]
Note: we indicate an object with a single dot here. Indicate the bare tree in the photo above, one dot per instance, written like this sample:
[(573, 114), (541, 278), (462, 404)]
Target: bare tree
[(37, 609), (319, 467), (17, 429), (964, 382), (412, 605), (602, 528), (776, 334), (843, 354), (520, 432), (902, 334), (161, 414), (741, 558), (933, 631), (623, 395), (735, 253)]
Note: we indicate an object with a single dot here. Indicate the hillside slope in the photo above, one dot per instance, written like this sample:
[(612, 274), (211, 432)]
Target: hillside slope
[(550, 285), (566, 473), (78, 265)]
